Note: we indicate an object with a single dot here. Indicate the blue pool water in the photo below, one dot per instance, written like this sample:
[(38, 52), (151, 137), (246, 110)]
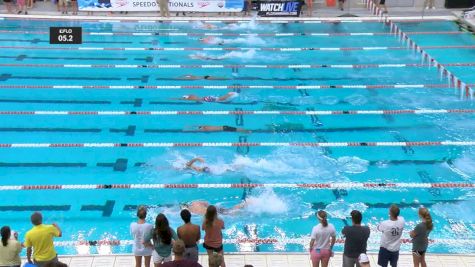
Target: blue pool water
[(283, 214)]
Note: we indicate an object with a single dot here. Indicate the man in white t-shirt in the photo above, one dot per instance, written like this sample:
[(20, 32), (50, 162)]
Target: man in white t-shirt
[(391, 238)]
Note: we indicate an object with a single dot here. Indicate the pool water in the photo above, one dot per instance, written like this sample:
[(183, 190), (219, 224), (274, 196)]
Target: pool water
[(41, 79)]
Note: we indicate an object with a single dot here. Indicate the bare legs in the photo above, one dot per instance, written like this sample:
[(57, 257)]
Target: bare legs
[(419, 260), (138, 261)]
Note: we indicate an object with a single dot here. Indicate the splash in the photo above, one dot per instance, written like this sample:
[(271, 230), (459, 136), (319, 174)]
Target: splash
[(249, 54), (465, 164), (341, 209), (352, 164), (300, 163), (462, 211), (266, 203)]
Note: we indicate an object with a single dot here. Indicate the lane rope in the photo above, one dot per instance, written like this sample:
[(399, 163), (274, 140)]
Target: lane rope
[(280, 49), (218, 87), (245, 112), (318, 186), (250, 144), (242, 66)]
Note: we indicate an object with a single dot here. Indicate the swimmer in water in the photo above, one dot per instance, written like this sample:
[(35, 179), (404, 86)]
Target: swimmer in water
[(205, 77), (205, 57), (224, 128), (211, 40), (199, 207), (210, 99), (190, 165)]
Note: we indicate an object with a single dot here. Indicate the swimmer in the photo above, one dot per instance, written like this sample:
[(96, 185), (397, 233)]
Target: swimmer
[(190, 165), (205, 77), (205, 57), (199, 207), (210, 99), (211, 40), (224, 128)]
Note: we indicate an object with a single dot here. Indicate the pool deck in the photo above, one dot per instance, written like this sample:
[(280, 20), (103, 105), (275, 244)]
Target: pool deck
[(271, 260)]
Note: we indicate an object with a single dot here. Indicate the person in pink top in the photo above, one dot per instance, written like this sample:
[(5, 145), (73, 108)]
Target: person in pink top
[(212, 225)]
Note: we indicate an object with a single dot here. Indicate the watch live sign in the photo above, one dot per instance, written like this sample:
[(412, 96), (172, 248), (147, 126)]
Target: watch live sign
[(152, 5), (279, 8)]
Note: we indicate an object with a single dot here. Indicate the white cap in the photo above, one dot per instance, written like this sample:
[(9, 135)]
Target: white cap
[(363, 258)]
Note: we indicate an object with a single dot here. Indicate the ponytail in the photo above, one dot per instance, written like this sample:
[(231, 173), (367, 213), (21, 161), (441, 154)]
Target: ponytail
[(424, 213), (5, 232), (322, 216)]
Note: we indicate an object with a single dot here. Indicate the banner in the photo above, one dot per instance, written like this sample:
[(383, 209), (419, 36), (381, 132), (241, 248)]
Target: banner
[(152, 5), (279, 8)]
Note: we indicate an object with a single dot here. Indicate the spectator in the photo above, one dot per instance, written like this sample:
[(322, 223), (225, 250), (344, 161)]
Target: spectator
[(247, 7), (382, 3), (138, 230), (420, 238), (363, 260), (341, 3), (215, 260), (309, 4), (10, 6), (212, 225), (180, 260), (162, 236), (163, 8), (74, 7), (356, 240), (323, 239), (429, 4), (190, 234), (21, 7), (10, 248), (391, 238), (40, 238), (63, 6)]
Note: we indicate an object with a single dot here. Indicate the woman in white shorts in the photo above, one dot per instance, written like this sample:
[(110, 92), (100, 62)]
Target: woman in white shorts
[(139, 230), (163, 237)]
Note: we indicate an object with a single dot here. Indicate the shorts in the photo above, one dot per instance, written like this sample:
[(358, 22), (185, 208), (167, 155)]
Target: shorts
[(419, 253), (62, 2), (320, 254), (382, 2), (160, 259), (229, 129), (217, 250), (191, 253), (386, 257), (20, 2)]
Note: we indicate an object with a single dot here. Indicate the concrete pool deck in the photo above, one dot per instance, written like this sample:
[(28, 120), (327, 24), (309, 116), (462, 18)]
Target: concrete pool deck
[(271, 260)]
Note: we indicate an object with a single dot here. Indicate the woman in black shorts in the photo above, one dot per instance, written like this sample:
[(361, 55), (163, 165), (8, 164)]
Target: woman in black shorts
[(420, 238)]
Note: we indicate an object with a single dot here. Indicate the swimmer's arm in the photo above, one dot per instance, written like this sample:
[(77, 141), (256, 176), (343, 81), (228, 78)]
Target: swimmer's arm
[(190, 163)]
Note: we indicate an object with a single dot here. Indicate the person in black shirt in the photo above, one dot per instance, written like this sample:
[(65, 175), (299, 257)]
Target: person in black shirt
[(356, 238)]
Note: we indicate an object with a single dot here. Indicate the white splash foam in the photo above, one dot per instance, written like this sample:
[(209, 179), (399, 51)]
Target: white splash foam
[(341, 209), (266, 203)]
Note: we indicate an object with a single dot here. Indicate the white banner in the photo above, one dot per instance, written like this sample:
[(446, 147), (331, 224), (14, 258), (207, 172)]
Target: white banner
[(152, 5)]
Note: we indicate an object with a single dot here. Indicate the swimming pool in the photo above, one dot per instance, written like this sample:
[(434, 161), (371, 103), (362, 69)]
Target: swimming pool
[(331, 108)]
